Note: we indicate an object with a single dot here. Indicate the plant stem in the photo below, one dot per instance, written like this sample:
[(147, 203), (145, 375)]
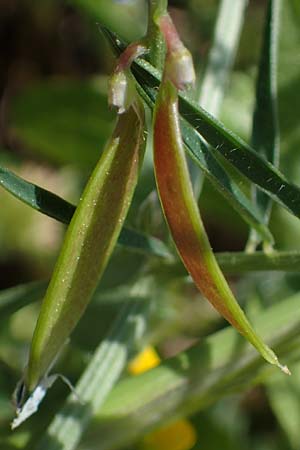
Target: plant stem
[(240, 262), (154, 37)]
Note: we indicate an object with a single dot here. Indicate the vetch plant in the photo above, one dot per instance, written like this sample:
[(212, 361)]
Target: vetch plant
[(154, 295)]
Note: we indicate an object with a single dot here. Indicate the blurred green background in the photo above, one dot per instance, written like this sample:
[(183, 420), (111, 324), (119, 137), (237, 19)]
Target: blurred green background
[(54, 122)]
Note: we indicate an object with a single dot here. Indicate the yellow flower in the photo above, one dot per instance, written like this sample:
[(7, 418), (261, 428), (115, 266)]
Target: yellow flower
[(146, 360), (178, 435)]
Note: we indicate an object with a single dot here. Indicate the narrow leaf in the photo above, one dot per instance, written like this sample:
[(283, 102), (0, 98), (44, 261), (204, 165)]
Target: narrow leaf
[(265, 131), (38, 198), (242, 156), (54, 206)]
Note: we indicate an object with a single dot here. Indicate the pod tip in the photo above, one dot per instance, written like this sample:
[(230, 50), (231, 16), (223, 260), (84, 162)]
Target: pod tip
[(284, 369)]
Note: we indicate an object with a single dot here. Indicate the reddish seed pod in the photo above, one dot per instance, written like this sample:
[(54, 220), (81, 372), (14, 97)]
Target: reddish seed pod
[(183, 217)]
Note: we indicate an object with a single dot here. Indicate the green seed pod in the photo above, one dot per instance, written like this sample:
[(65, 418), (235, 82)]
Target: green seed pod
[(89, 242), (182, 214)]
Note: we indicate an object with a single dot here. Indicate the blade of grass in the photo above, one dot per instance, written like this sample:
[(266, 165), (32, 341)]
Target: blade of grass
[(241, 155), (220, 365), (96, 382), (265, 131), (222, 54), (38, 198), (54, 206)]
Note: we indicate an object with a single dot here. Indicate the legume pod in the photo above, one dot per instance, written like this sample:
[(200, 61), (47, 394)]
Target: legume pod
[(183, 217), (89, 242)]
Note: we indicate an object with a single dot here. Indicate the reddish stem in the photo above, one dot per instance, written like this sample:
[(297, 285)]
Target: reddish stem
[(170, 33), (131, 52)]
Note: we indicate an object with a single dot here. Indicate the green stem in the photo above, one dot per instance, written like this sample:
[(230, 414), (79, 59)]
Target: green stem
[(155, 39), (241, 262)]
